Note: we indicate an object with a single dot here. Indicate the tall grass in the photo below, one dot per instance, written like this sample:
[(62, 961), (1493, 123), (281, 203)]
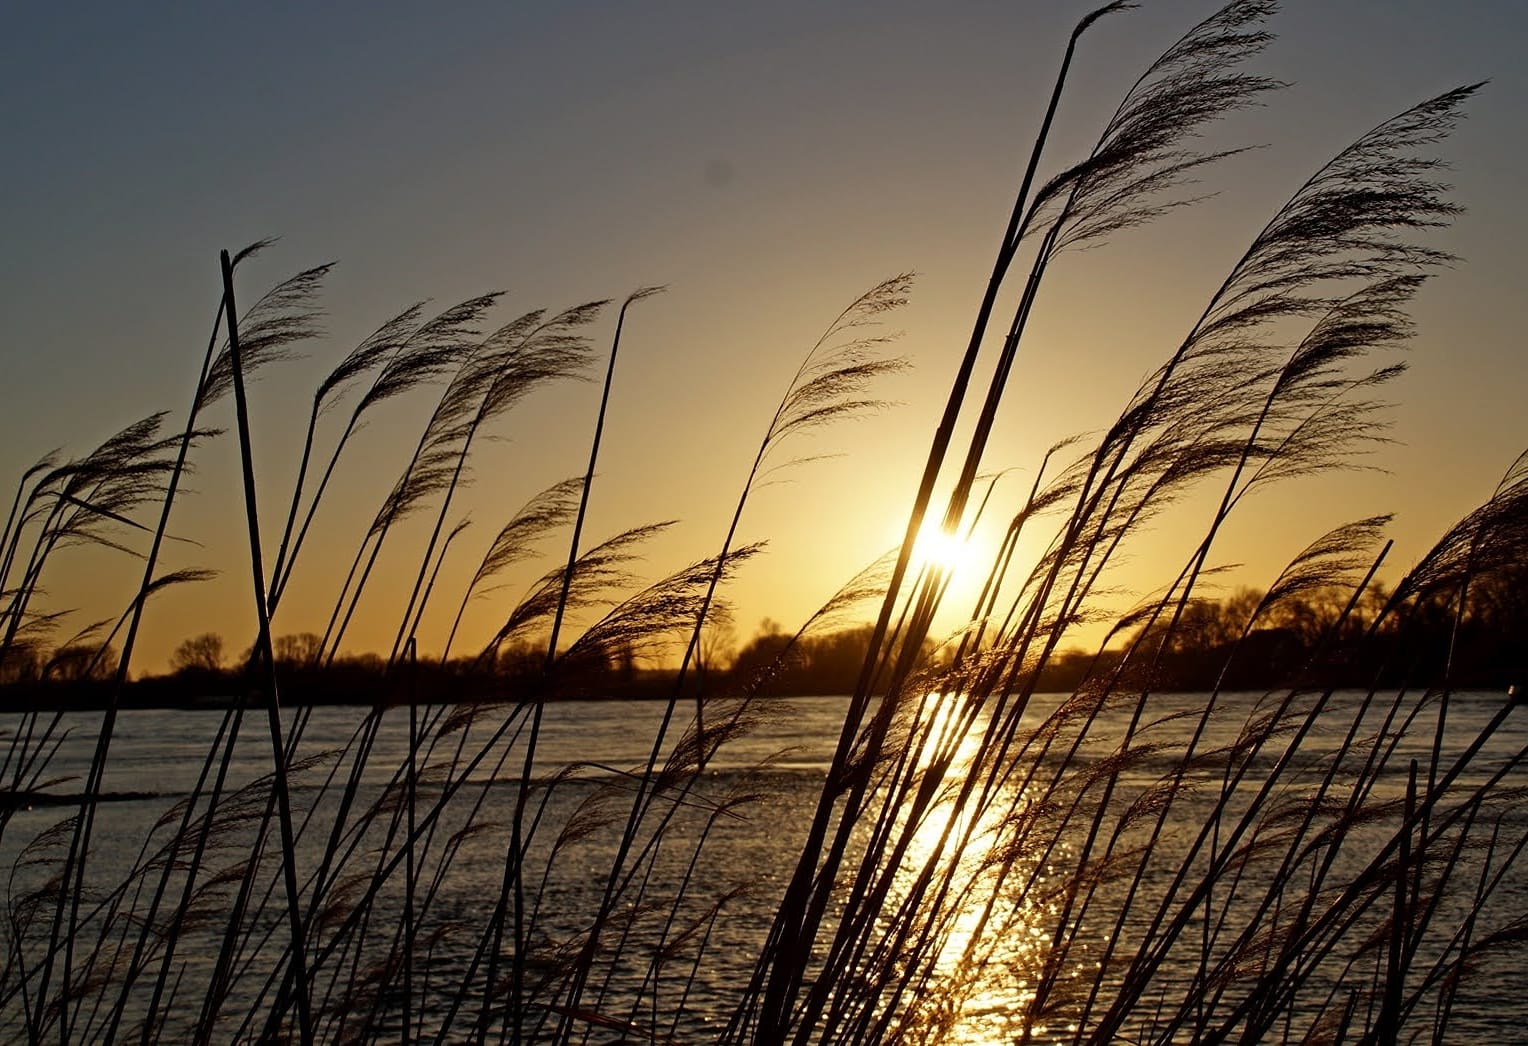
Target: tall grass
[(981, 860)]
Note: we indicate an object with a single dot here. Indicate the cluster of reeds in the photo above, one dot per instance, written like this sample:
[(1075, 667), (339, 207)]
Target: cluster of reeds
[(980, 860)]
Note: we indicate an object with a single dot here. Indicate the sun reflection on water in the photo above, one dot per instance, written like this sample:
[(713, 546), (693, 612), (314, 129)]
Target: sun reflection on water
[(990, 935)]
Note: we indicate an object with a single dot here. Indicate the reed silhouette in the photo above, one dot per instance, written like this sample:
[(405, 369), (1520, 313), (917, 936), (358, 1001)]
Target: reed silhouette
[(981, 860)]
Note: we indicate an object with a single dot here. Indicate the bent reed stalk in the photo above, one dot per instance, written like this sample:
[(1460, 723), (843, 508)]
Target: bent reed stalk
[(981, 860)]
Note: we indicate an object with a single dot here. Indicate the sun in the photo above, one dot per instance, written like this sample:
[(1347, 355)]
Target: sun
[(961, 563), (938, 549)]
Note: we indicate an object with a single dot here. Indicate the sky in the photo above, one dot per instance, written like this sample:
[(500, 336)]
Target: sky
[(767, 163)]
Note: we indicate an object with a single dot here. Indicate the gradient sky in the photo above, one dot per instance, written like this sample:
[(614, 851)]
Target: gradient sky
[(766, 161)]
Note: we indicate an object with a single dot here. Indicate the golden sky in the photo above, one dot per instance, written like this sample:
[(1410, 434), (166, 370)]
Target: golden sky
[(767, 164)]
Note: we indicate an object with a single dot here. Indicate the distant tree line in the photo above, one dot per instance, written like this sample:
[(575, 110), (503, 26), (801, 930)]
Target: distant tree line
[(1327, 637), (203, 672), (1233, 643)]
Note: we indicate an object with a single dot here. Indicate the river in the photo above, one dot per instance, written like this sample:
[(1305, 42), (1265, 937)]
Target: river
[(691, 924)]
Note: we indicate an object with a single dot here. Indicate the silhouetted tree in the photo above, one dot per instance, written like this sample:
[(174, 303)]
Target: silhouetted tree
[(718, 641), (814, 664), (760, 657), (199, 653), (80, 661), (21, 662), (301, 648)]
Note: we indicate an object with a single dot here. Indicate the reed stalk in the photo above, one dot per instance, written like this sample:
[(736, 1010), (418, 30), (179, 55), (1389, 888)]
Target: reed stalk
[(981, 860)]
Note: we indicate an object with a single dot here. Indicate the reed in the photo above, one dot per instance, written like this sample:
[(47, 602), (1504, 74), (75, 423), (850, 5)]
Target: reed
[(982, 860)]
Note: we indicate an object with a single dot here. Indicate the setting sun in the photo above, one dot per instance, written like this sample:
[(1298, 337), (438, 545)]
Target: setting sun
[(937, 548), (964, 561)]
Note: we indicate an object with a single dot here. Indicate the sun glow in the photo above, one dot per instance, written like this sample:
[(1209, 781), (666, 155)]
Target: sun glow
[(962, 563), (938, 549)]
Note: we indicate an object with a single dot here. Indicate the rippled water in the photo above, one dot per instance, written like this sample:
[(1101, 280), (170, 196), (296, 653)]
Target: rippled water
[(750, 847)]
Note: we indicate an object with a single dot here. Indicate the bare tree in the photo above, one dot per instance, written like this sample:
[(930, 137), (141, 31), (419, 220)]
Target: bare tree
[(200, 653), (301, 648)]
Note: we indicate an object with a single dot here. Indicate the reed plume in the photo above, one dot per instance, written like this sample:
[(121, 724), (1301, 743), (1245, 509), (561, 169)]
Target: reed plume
[(979, 859)]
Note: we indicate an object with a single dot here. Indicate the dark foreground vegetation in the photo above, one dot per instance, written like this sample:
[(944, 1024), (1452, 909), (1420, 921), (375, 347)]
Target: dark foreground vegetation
[(976, 863)]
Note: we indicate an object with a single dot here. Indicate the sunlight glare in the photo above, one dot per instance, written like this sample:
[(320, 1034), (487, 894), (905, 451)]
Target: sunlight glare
[(939, 549), (986, 960)]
